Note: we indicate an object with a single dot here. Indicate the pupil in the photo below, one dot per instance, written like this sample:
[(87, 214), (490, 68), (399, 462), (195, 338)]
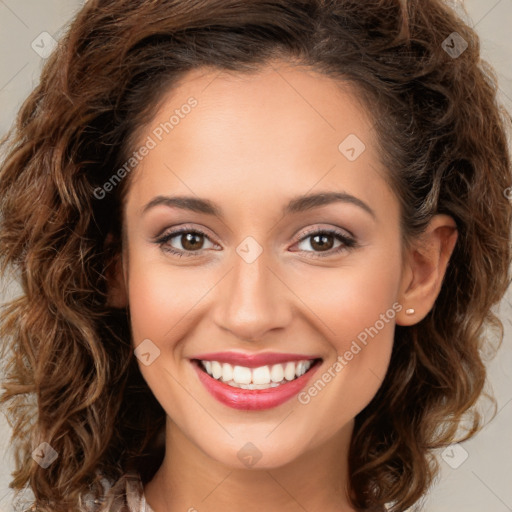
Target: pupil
[(322, 245), (188, 241)]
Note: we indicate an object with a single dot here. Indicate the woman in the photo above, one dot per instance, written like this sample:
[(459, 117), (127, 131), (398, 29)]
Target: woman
[(259, 243)]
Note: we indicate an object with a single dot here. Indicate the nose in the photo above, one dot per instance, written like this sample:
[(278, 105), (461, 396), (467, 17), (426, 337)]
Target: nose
[(253, 300)]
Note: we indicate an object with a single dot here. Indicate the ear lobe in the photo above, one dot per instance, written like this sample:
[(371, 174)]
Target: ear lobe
[(425, 268), (117, 296)]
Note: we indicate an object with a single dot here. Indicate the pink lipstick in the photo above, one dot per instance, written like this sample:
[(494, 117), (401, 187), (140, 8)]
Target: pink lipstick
[(254, 381)]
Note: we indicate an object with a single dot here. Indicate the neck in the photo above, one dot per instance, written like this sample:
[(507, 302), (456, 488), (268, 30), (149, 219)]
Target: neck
[(189, 480)]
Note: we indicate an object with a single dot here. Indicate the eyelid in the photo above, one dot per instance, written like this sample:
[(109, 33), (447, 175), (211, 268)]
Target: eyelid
[(168, 234), (177, 230), (347, 239), (330, 229)]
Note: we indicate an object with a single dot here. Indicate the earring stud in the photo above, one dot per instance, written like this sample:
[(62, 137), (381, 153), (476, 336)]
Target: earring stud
[(409, 311)]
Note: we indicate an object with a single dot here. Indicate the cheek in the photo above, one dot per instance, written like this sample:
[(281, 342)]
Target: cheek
[(356, 307), (352, 298), (160, 297)]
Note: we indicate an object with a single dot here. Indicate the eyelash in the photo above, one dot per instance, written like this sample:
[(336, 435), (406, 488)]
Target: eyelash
[(347, 242)]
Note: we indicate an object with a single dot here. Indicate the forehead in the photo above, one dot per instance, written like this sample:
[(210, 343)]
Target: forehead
[(274, 95), (282, 127)]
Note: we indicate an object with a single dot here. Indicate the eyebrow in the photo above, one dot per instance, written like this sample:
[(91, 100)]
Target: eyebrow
[(295, 205)]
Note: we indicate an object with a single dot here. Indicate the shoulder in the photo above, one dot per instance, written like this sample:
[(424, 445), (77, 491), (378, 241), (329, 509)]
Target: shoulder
[(124, 495)]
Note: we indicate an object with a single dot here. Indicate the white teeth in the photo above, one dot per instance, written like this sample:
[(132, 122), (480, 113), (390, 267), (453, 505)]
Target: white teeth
[(216, 369), (277, 373), (241, 374), (262, 377), (289, 371), (227, 372), (253, 386)]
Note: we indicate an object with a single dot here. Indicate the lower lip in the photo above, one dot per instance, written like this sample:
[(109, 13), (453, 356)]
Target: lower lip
[(253, 399)]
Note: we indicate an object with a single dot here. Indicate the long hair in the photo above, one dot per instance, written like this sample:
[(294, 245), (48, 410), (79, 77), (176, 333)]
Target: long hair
[(71, 378)]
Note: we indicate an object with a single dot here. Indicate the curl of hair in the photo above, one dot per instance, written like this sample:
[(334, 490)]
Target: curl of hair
[(443, 138)]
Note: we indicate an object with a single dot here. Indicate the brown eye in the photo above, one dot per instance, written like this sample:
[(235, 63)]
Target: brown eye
[(185, 242), (324, 241), (192, 241)]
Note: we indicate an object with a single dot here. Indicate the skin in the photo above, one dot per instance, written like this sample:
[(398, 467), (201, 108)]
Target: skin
[(252, 143)]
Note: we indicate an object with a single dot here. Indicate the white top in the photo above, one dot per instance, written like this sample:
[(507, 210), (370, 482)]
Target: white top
[(125, 495)]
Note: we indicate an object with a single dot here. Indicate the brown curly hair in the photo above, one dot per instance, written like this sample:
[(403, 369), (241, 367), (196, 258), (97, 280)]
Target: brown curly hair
[(71, 376)]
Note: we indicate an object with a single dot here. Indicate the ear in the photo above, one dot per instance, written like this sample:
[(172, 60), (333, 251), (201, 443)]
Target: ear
[(424, 269), (117, 295)]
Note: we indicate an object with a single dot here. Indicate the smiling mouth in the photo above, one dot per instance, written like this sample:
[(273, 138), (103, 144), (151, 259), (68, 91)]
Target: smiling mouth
[(262, 377)]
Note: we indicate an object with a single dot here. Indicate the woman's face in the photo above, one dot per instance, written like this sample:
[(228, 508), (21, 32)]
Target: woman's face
[(261, 270)]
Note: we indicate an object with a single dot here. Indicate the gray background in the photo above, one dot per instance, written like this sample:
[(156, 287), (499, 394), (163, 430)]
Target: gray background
[(482, 482)]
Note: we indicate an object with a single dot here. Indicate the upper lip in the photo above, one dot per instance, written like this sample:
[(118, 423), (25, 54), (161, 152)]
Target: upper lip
[(253, 360)]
